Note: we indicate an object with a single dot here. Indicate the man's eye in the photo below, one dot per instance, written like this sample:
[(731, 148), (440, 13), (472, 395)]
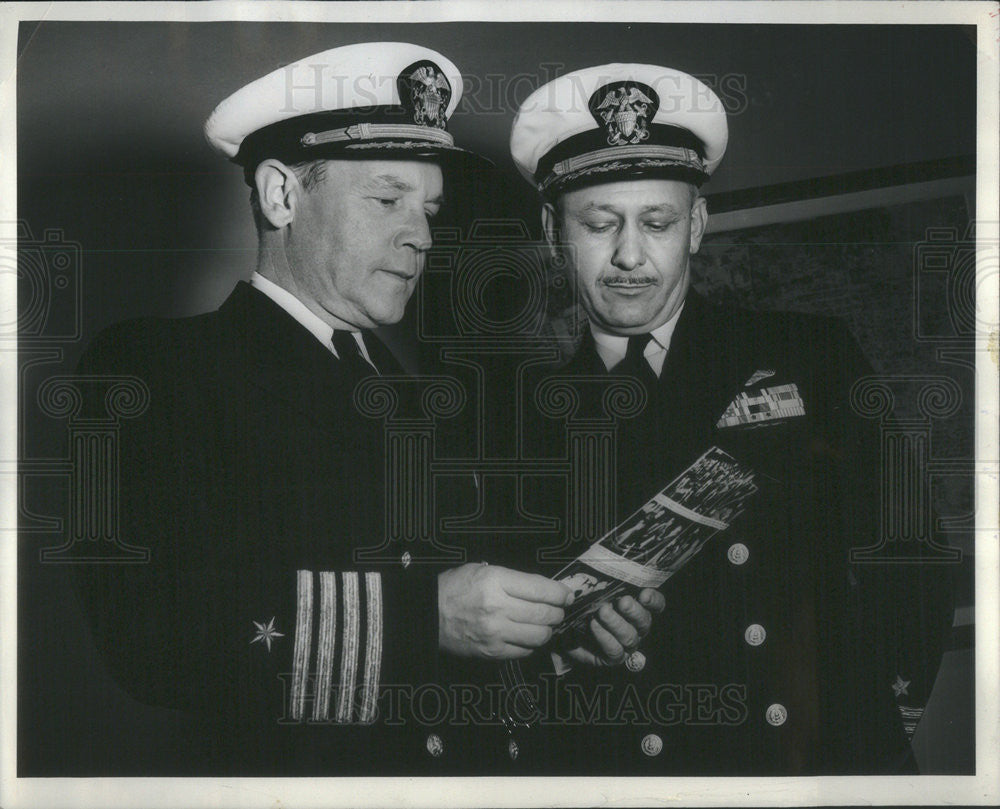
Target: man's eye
[(598, 227), (657, 225), (387, 202)]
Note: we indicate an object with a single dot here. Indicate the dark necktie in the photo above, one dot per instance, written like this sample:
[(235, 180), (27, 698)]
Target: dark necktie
[(350, 354), (635, 363)]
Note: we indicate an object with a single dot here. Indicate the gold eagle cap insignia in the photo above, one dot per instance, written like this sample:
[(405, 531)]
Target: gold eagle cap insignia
[(425, 91), (625, 111)]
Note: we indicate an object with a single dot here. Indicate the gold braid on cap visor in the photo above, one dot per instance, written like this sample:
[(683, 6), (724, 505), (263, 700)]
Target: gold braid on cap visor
[(619, 158), (364, 132)]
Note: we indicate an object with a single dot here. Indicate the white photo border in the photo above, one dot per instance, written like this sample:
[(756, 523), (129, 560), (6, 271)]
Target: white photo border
[(982, 788)]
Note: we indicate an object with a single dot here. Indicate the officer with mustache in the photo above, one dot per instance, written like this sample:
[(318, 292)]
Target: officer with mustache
[(776, 653)]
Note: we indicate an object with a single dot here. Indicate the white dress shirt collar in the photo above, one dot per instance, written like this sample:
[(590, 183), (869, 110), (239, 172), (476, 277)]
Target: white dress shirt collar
[(318, 327), (611, 348)]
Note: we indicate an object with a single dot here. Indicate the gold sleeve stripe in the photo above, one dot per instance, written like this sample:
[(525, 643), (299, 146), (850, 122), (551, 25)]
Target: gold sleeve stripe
[(326, 644), (303, 642), (349, 649), (373, 655)]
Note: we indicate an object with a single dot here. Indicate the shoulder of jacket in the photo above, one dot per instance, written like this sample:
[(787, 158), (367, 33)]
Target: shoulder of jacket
[(779, 324), (140, 342)]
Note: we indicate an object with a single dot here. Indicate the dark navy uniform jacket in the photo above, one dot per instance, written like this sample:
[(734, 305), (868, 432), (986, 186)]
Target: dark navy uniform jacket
[(776, 653), (252, 479)]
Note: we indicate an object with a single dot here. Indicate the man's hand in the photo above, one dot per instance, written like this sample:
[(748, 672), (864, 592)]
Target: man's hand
[(618, 628), (497, 613)]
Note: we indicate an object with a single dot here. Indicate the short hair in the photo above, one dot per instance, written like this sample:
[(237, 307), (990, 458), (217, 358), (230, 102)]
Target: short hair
[(309, 173)]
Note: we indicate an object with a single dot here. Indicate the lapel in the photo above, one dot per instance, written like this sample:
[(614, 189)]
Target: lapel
[(586, 361), (383, 358), (702, 370), (701, 374), (286, 362)]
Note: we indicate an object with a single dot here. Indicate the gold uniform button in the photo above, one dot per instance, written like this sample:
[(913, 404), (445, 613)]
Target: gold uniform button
[(405, 559), (738, 553), (776, 714), (754, 635), (652, 745), (635, 661), (434, 745), (513, 750)]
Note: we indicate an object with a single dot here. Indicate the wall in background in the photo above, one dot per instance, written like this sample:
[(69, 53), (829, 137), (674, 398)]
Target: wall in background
[(111, 162)]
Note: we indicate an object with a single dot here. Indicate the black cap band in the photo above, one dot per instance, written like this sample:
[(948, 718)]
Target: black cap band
[(288, 140), (669, 151)]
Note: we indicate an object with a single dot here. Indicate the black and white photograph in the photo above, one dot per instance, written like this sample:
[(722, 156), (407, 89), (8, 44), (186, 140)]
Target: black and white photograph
[(499, 404)]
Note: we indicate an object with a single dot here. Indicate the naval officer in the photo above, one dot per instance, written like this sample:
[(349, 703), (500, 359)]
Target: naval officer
[(252, 478), (776, 654)]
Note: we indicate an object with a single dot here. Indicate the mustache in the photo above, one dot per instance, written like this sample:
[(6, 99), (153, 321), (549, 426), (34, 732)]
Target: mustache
[(629, 280)]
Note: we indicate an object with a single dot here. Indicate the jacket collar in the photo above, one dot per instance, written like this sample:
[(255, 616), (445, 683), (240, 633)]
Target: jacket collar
[(702, 364), (287, 362), (683, 341)]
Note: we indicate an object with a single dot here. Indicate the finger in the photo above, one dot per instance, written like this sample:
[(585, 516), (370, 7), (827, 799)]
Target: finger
[(621, 629), (584, 656), (532, 587), (652, 600), (529, 612), (528, 635), (510, 651), (610, 647), (635, 614)]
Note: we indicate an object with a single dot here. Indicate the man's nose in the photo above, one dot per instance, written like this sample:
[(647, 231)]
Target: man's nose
[(629, 251), (416, 233)]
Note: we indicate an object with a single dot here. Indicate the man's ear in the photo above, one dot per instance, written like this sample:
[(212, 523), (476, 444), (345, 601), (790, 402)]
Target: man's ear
[(550, 226), (278, 191), (699, 221)]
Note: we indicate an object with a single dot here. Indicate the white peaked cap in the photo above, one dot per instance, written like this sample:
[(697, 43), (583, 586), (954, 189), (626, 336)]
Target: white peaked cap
[(618, 120), (369, 99)]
